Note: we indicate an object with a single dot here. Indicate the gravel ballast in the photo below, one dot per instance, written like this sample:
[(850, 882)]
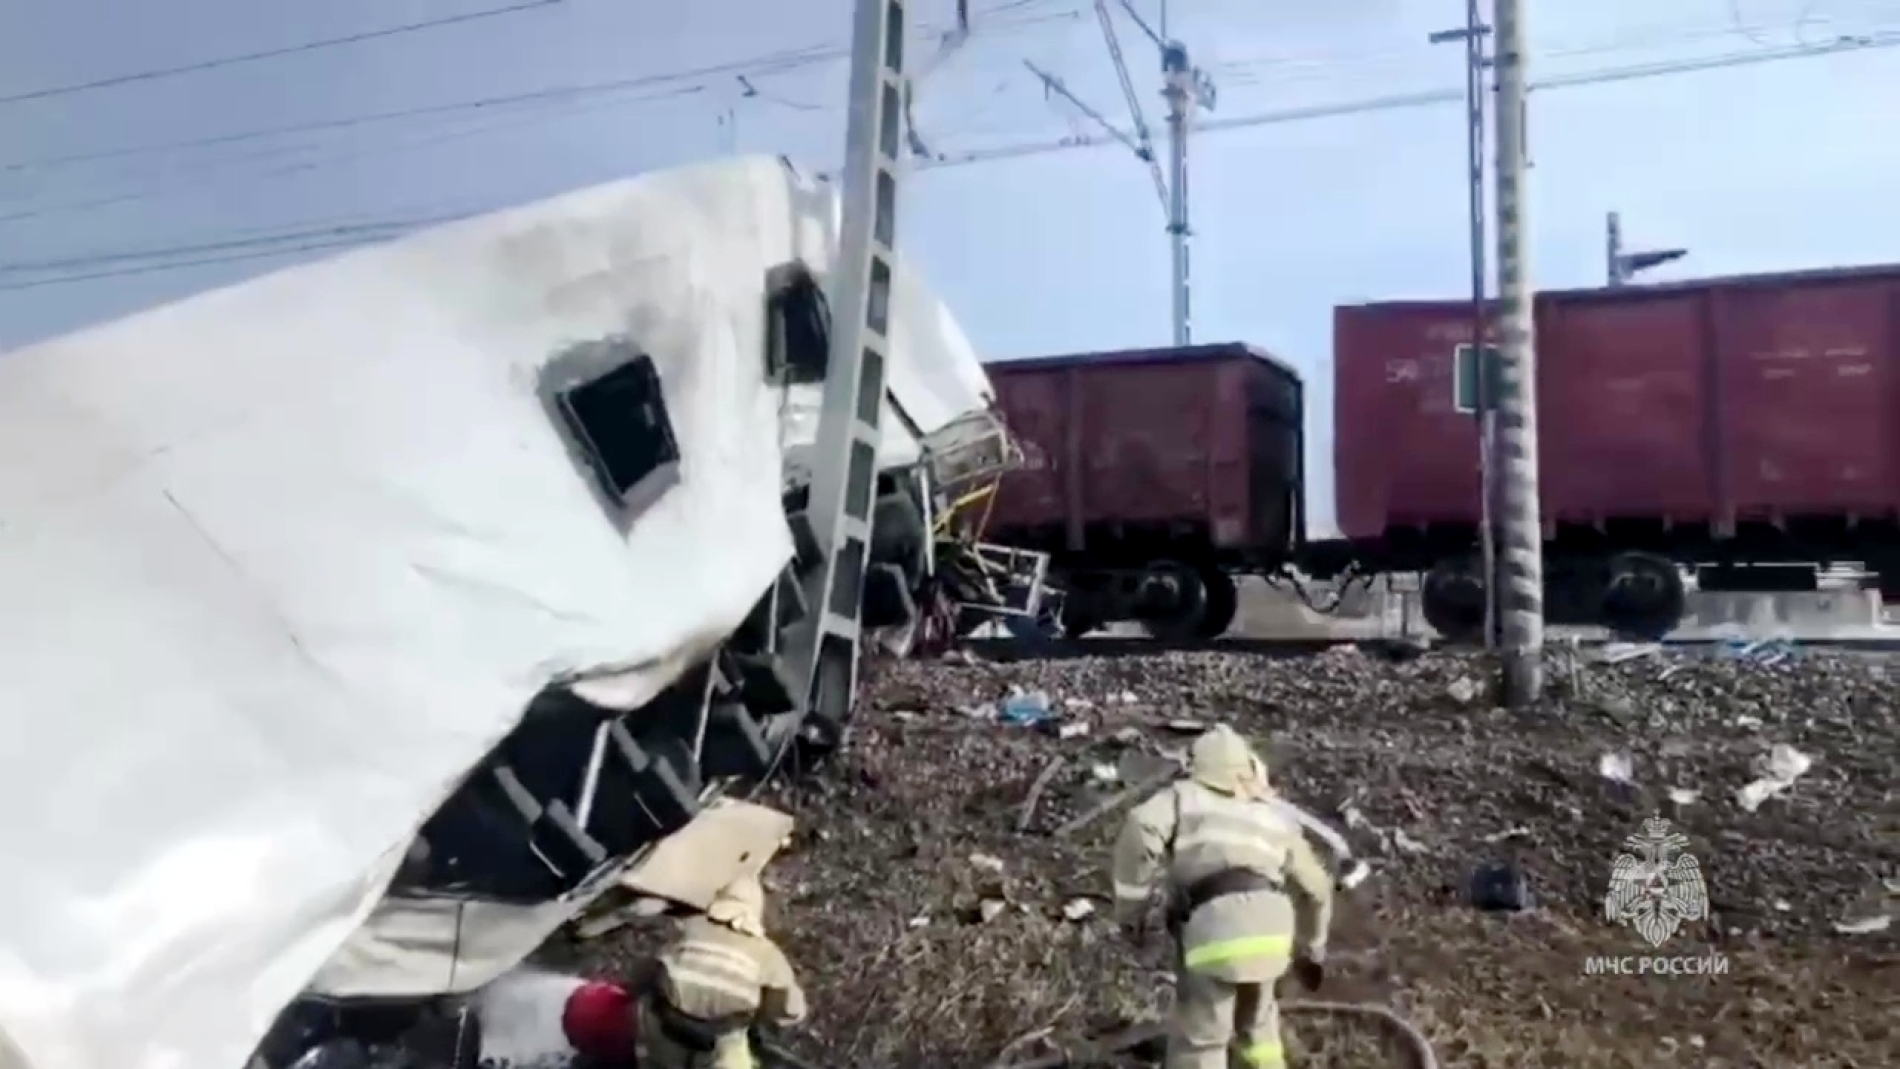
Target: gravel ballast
[(938, 919)]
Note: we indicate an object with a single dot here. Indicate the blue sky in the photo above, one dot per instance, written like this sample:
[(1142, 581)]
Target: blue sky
[(1754, 167)]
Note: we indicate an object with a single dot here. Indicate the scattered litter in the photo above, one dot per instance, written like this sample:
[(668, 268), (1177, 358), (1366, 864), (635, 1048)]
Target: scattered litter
[(1500, 887), (1102, 772), (1463, 690), (906, 803), (1185, 727), (1619, 652), (1865, 925), (1516, 832), (1783, 765), (1764, 652), (1617, 767), (1035, 793), (986, 863), (1405, 844), (1683, 795), (1072, 729), (1026, 710), (1078, 909), (990, 908)]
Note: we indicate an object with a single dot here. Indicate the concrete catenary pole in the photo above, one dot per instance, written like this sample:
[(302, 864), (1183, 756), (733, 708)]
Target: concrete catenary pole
[(1521, 528)]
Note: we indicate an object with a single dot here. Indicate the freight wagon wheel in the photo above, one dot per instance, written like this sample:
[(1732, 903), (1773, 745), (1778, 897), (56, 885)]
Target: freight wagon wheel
[(1223, 603), (1644, 598), (1453, 598), (1174, 600)]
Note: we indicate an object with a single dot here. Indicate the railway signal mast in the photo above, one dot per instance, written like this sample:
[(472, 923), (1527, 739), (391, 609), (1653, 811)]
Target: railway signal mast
[(1185, 88)]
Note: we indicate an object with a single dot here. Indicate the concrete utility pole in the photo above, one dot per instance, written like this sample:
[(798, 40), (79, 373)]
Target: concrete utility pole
[(1619, 266), (1522, 594), (1473, 33)]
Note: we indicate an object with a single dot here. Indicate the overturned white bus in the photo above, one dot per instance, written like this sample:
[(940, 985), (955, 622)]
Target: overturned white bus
[(361, 621)]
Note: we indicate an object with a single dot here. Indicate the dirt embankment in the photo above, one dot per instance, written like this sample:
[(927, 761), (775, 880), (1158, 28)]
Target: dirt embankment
[(932, 931)]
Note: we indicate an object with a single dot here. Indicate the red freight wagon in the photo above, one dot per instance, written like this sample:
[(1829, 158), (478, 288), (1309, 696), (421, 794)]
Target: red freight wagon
[(1150, 476), (1749, 421)]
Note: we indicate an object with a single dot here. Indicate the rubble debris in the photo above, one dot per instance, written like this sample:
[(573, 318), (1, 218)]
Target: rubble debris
[(1617, 768), (1500, 887), (1779, 769), (986, 863), (1113, 802), (908, 801), (1864, 925), (1035, 793), (1464, 690)]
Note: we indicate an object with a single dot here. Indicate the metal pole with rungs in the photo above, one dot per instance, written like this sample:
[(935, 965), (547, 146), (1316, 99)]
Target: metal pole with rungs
[(823, 648), (1521, 598)]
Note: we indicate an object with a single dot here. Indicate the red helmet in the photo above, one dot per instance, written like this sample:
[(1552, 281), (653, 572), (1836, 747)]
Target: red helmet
[(598, 1021)]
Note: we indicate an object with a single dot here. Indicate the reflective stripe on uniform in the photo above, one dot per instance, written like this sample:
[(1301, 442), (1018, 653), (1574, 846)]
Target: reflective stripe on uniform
[(1268, 1055), (1249, 946), (720, 968)]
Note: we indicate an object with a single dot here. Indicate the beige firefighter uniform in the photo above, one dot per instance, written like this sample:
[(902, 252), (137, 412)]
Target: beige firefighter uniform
[(1227, 864), (718, 977)]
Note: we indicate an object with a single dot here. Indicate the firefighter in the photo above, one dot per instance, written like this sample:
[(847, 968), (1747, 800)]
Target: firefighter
[(1227, 864), (716, 979)]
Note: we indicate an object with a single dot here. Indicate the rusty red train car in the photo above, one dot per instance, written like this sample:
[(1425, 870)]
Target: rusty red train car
[(1151, 476), (1749, 426)]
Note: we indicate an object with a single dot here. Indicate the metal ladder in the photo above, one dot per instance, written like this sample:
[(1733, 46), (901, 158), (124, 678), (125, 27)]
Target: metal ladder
[(822, 649)]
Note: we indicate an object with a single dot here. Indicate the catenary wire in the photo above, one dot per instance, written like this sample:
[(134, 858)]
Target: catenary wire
[(137, 194), (785, 62), (1400, 101), (276, 53), (778, 62), (1395, 102), (232, 244), (134, 195), (176, 265), (543, 97)]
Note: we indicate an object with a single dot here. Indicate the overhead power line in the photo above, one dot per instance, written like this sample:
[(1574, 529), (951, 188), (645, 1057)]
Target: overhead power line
[(770, 63), (340, 244), (259, 242), (1427, 98), (346, 153), (355, 235), (275, 53)]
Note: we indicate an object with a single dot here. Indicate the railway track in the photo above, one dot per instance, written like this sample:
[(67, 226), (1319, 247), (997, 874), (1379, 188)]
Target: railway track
[(1014, 649)]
